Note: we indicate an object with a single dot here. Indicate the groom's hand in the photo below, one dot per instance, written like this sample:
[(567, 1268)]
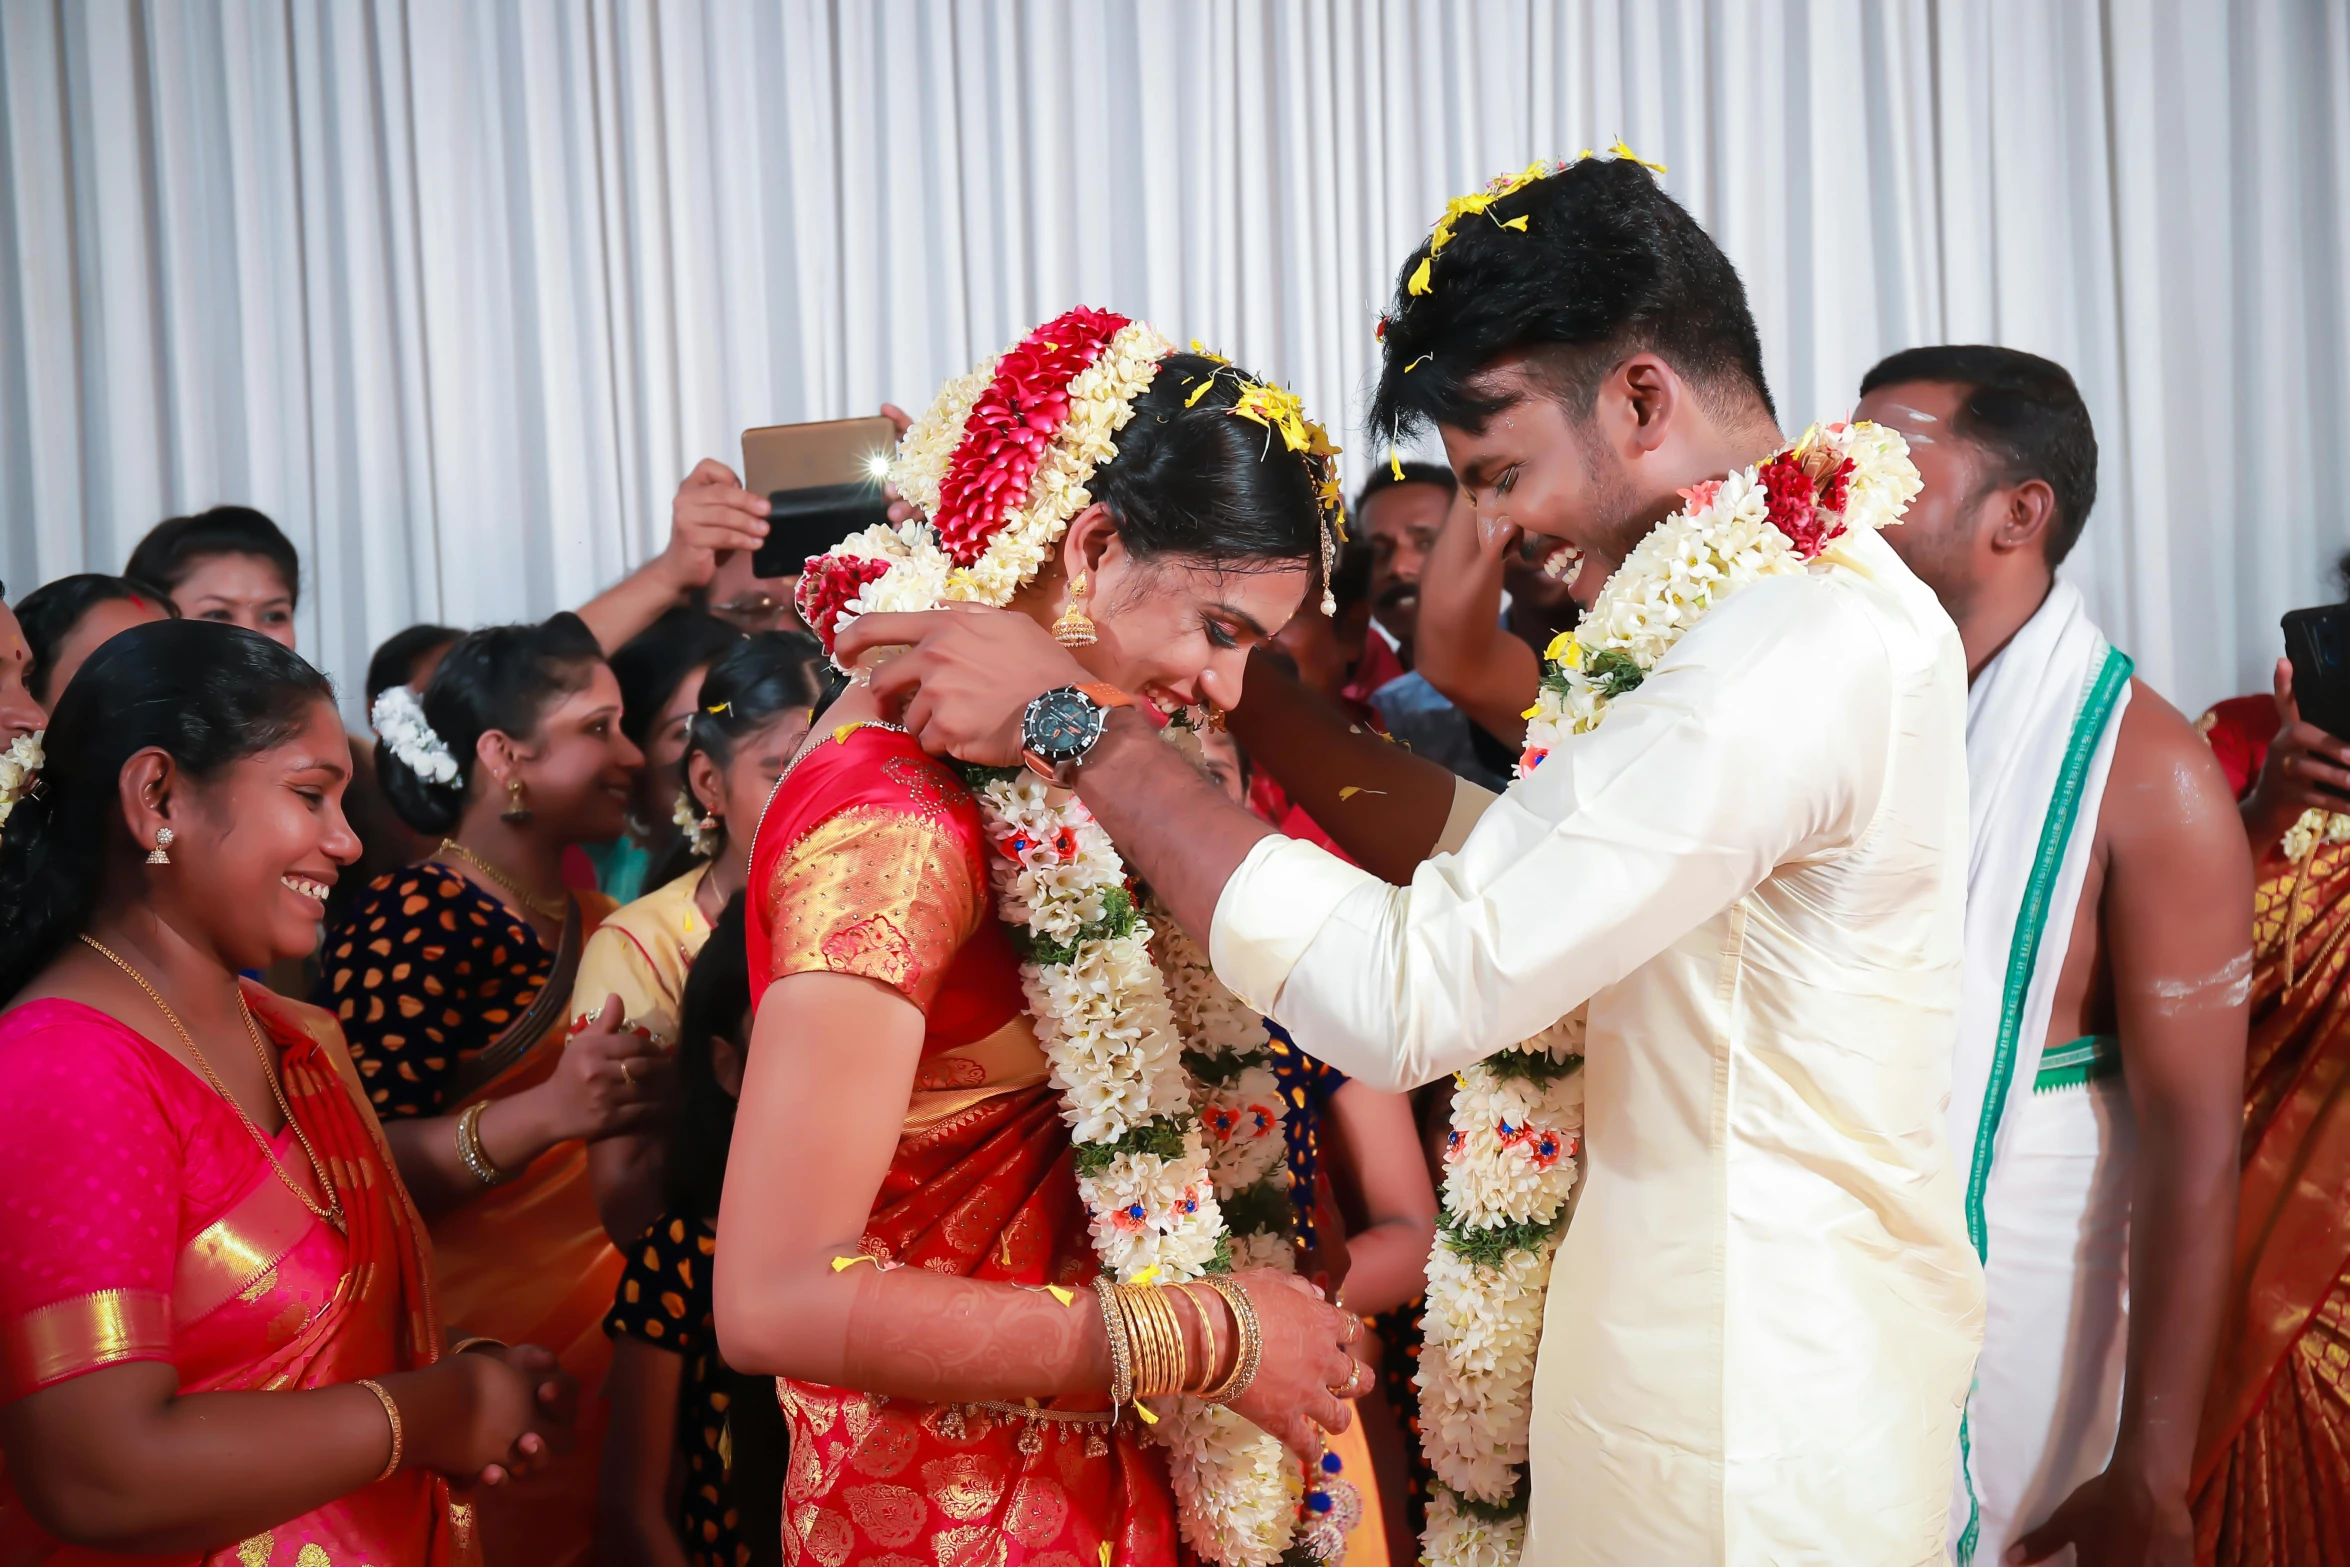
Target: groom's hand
[(966, 677)]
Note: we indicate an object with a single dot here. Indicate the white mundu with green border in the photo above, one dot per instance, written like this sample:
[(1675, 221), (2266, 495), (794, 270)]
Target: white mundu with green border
[(2043, 1131)]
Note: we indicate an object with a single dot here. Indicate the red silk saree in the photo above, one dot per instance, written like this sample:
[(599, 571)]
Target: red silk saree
[(2272, 1473), (871, 861), (140, 1222)]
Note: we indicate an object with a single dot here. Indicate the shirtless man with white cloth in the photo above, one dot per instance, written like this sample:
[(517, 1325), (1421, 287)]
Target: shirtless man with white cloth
[(2102, 1019), (1764, 1313)]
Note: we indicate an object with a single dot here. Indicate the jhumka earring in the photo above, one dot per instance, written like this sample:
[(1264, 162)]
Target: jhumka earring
[(156, 856), (517, 809), (1075, 627)]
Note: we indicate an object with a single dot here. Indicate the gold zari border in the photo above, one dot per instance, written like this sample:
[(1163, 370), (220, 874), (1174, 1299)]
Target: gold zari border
[(68, 1337)]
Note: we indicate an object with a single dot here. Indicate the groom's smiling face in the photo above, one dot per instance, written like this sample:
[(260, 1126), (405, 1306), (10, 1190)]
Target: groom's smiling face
[(1538, 466)]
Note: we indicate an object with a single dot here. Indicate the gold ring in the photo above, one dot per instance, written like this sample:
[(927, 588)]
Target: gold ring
[(626, 1075)]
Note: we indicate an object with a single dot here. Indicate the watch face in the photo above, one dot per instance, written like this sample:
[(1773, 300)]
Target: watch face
[(1061, 724)]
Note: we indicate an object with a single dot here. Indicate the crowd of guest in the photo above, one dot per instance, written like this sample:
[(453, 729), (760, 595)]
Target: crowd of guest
[(368, 1098)]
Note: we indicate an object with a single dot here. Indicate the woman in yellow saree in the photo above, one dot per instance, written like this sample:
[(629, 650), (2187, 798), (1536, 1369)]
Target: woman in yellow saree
[(451, 977), (218, 1335)]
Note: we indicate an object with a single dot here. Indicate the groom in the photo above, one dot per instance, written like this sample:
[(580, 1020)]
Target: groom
[(1763, 1316)]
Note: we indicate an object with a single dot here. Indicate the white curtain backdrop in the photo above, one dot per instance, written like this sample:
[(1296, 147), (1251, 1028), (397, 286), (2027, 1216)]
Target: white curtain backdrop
[(457, 289)]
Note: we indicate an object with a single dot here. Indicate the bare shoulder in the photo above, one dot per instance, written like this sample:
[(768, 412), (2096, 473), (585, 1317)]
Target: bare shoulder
[(2167, 792)]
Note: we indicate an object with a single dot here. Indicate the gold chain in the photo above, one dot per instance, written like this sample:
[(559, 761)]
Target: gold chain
[(333, 1212), (841, 732), (545, 908)]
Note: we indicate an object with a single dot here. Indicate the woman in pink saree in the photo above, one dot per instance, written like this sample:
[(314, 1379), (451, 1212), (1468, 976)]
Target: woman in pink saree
[(218, 1340)]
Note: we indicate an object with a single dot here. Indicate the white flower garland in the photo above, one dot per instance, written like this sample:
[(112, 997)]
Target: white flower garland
[(19, 765), (2311, 828), (398, 717), (1108, 1031), (1103, 1015), (1517, 1117)]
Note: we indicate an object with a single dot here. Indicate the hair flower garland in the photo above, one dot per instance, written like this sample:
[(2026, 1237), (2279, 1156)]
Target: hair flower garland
[(1512, 1158), (999, 464), (20, 768), (398, 717)]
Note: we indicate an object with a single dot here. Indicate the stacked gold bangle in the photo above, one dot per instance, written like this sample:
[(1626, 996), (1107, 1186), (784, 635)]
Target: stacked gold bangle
[(470, 1151), (1149, 1356)]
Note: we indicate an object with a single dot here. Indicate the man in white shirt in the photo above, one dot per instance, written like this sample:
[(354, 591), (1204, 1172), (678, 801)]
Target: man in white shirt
[(1764, 1313)]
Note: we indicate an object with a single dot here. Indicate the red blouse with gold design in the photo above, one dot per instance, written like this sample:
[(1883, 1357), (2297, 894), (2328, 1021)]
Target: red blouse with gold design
[(871, 861)]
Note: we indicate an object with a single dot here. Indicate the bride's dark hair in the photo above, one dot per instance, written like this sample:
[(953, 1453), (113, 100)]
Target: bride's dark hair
[(209, 695), (1193, 478)]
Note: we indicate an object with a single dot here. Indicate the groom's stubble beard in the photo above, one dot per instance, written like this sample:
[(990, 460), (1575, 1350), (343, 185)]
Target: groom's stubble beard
[(1619, 518)]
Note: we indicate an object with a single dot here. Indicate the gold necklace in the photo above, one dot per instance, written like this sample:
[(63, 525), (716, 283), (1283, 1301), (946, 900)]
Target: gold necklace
[(332, 1213), (544, 908)]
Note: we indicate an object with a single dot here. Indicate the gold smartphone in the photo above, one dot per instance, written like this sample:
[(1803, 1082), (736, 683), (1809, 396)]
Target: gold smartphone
[(822, 482)]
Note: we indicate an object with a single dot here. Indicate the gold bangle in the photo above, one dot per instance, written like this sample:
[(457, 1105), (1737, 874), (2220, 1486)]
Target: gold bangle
[(1149, 1353), (1121, 1343), (477, 1341), (1252, 1342), (471, 1153), (1207, 1331), (1166, 1334), (391, 1412)]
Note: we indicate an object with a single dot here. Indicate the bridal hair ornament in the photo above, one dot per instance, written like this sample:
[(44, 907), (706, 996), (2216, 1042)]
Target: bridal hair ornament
[(999, 464), (398, 717), (20, 772), (701, 830)]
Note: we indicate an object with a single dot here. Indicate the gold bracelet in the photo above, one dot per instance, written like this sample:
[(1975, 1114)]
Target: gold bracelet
[(1150, 1354), (1252, 1342), (1121, 1343), (477, 1341), (1166, 1334), (392, 1411), (1207, 1330), (471, 1153)]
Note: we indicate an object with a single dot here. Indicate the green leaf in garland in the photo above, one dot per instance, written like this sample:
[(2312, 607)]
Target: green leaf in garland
[(1492, 1512), (1490, 1247), (1614, 671), (1216, 1071), (1533, 1066), (1163, 1137)]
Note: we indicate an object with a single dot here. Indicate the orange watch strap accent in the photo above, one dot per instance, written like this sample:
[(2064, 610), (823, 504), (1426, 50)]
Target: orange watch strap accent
[(1104, 694)]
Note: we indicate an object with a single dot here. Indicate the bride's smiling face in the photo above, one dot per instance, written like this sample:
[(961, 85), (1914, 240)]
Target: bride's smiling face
[(1164, 622)]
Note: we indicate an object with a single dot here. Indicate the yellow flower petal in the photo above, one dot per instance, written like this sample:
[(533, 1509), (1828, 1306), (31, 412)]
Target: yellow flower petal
[(842, 1264), (1419, 282), (1199, 391), (1518, 223), (1059, 1294), (1395, 465)]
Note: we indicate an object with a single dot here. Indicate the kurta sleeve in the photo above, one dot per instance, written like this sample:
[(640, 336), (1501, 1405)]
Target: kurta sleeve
[(884, 891), (1762, 737)]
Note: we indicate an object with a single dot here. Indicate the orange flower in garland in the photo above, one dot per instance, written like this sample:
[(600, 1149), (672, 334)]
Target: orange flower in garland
[(1011, 427)]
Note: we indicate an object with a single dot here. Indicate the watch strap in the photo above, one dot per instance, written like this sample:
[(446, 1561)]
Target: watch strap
[(1103, 694)]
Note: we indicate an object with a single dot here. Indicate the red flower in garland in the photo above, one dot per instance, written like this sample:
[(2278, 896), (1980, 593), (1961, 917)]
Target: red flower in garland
[(1794, 504), (1012, 424), (826, 587)]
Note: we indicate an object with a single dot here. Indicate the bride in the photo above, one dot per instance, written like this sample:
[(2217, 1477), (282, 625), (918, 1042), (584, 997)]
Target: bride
[(969, 1219)]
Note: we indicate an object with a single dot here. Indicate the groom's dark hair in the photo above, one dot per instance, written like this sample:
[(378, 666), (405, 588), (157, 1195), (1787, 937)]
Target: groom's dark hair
[(1606, 265)]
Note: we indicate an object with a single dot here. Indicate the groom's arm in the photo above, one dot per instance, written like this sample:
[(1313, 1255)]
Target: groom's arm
[(1384, 806)]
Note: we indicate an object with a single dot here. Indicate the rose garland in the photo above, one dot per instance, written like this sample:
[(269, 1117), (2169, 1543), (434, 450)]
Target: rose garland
[(1517, 1116), (20, 768), (999, 465)]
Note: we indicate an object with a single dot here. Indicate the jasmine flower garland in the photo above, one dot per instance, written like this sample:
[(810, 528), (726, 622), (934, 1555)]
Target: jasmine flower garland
[(1517, 1116), (20, 764)]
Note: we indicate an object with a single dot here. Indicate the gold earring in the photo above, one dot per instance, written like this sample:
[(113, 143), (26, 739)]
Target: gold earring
[(156, 856), (517, 810), (1075, 627)]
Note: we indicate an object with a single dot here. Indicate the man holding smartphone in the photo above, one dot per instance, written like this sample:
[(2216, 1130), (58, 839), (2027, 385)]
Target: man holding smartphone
[(2094, 1100)]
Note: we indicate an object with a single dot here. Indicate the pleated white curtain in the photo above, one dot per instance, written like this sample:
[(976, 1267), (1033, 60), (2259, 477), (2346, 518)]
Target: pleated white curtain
[(457, 289)]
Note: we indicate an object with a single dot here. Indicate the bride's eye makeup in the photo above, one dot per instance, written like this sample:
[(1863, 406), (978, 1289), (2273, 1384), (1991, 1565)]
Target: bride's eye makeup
[(1219, 634)]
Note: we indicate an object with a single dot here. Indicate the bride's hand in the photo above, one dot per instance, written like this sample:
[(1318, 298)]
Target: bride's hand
[(1309, 1367)]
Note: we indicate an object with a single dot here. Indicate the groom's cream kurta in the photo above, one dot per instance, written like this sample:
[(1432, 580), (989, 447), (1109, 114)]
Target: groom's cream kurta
[(1765, 1313)]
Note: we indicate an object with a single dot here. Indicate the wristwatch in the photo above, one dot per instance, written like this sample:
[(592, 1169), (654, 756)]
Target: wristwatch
[(1065, 723)]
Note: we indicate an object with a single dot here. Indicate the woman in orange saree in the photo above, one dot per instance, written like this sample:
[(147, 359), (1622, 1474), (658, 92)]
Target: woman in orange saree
[(218, 1336), (2272, 1471), (903, 1235), (452, 978)]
